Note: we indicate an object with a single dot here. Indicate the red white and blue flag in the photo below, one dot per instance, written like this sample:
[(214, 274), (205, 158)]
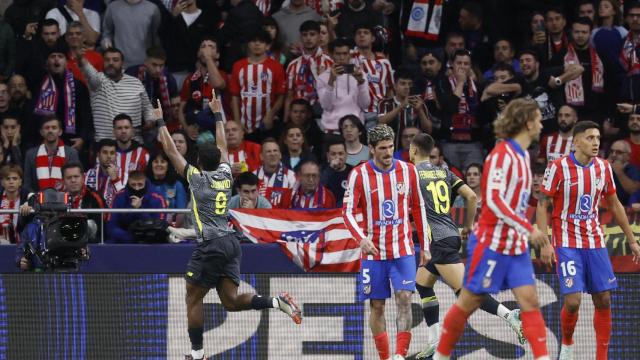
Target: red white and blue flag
[(316, 241)]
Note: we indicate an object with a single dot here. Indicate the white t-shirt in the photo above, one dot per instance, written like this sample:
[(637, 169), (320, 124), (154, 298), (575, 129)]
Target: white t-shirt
[(190, 18), (92, 16)]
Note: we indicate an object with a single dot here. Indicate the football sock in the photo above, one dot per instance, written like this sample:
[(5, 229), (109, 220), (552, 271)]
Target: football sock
[(195, 335), (535, 332), (452, 329), (568, 325), (602, 324), (403, 339), (259, 302), (382, 345), (490, 305)]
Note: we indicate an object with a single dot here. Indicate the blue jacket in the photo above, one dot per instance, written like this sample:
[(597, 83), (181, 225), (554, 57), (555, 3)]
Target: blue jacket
[(31, 235), (118, 224), (175, 196)]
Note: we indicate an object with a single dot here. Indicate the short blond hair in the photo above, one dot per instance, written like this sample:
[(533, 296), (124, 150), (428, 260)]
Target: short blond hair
[(514, 117)]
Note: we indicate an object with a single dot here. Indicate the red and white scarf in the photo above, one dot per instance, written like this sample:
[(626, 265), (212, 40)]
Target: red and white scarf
[(48, 100), (573, 89), (425, 20), (472, 91), (315, 200), (308, 71), (49, 169), (9, 220), (101, 182), (165, 98), (629, 56)]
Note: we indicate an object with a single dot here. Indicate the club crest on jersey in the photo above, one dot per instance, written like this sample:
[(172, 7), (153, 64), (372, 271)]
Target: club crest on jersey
[(388, 208), (486, 282), (598, 183), (400, 187), (496, 176), (367, 289), (568, 282), (264, 76), (345, 186)]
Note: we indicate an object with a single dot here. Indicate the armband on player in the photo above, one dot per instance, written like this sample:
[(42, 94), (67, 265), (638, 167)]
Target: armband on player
[(217, 116), (160, 123)]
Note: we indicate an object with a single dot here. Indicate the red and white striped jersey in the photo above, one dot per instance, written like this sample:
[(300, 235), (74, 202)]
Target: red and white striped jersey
[(303, 72), (506, 187), (257, 86), (554, 146), (277, 187), (136, 158), (248, 152), (264, 6), (576, 191), (379, 75), (385, 199)]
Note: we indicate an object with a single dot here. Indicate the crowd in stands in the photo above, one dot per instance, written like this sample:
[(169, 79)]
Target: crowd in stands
[(301, 81)]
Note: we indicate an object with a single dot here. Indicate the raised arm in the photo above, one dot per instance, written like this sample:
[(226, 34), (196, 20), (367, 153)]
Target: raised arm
[(169, 147)]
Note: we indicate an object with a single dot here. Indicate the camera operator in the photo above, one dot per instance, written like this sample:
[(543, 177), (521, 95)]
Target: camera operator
[(79, 197)]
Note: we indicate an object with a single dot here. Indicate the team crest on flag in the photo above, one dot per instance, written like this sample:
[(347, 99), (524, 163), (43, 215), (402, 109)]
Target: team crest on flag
[(316, 241), (568, 282)]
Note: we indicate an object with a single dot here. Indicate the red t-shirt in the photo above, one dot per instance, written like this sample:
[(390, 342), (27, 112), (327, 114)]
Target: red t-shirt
[(634, 159), (248, 152)]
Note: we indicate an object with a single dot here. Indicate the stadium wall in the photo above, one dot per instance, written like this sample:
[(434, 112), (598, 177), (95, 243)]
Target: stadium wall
[(142, 316)]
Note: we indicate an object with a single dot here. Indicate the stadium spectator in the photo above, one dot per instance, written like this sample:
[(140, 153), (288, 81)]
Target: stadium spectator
[(309, 193), (537, 172), (587, 9), (131, 26), (355, 138), (503, 53), (75, 41), (104, 177), (460, 131), (352, 14), (198, 85), (138, 194), (244, 155), (625, 175), (428, 84), (536, 87), (74, 10), (303, 71), (342, 90), (7, 50), (158, 82), (301, 114), (289, 19), (336, 170), (5, 101), (633, 125), (248, 196), (241, 23), (555, 145), (186, 147), (495, 97), (472, 176), (556, 38), (629, 54), (275, 181), (82, 197), (32, 52), (404, 110), (256, 101), (67, 98), (20, 98), (294, 147), (275, 51), (454, 41), (471, 22), (182, 36), (326, 36), (43, 163), (402, 150), (12, 195), (582, 75), (376, 69), (131, 156), (164, 181), (113, 92), (12, 145)]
